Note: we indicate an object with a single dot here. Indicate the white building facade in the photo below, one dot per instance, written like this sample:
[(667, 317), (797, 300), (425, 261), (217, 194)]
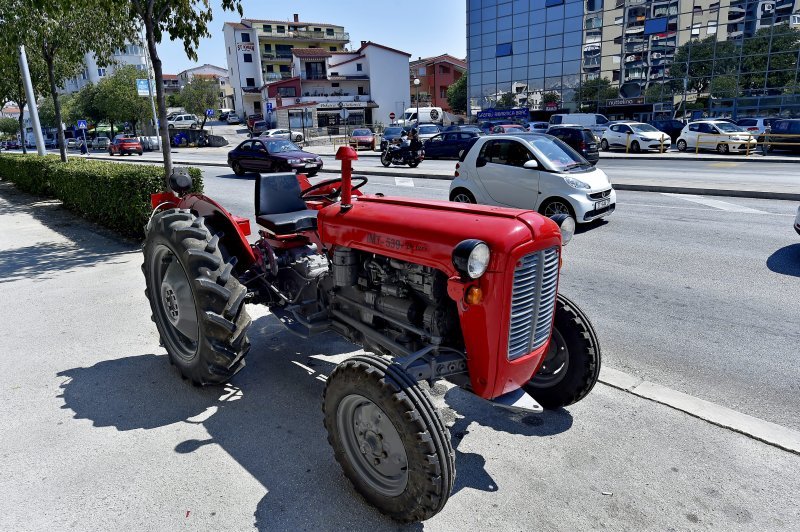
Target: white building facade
[(244, 68), (130, 54)]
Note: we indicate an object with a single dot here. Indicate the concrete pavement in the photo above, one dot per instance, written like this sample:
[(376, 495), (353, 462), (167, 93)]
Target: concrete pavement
[(104, 435)]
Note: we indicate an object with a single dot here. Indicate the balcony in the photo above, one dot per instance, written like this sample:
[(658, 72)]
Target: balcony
[(276, 76), (310, 76), (276, 56), (307, 35), (321, 98)]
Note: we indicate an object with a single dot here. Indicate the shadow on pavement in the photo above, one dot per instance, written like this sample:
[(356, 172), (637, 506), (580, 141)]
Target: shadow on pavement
[(269, 420), (582, 228), (786, 260)]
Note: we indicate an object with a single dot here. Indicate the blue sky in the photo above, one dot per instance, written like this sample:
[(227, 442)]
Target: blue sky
[(421, 28)]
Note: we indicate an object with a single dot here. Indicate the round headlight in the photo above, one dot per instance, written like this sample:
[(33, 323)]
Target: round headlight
[(471, 258), (567, 225)]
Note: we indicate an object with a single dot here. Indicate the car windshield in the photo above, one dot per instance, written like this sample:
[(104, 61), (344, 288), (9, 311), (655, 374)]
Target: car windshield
[(392, 131), (427, 130), (644, 128), (556, 155), (278, 146), (727, 127), (362, 133)]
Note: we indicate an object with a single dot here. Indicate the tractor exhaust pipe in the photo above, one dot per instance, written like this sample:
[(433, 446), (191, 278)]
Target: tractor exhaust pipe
[(347, 155)]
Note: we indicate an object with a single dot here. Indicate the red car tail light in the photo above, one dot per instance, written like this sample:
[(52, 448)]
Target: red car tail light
[(583, 145), (458, 165)]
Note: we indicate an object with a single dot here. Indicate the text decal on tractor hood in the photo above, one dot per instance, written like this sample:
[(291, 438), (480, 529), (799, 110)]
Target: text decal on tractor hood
[(391, 242)]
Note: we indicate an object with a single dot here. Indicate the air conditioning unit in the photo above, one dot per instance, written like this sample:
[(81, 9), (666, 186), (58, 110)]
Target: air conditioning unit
[(297, 100)]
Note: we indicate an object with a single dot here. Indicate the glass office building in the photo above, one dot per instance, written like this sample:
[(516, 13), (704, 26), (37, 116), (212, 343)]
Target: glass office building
[(639, 59)]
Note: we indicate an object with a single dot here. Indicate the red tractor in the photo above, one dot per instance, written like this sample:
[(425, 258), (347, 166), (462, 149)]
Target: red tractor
[(436, 290)]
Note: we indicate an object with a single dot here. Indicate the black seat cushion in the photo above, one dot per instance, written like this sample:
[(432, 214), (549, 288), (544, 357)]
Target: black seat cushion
[(279, 208), (289, 222)]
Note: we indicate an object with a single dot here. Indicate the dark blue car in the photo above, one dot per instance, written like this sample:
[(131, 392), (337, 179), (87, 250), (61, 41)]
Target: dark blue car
[(448, 145)]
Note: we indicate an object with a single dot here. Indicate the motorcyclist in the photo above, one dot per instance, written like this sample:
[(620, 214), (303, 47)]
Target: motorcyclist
[(410, 145)]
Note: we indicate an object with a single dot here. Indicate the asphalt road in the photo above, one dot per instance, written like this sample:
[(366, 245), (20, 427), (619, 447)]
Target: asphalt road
[(695, 293), (100, 433)]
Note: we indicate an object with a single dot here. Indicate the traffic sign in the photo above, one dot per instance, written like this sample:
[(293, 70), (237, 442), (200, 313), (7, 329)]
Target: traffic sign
[(209, 112), (269, 107), (82, 124), (344, 113), (391, 116)]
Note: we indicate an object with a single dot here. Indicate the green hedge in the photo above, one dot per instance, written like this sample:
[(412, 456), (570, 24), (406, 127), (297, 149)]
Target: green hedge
[(115, 195)]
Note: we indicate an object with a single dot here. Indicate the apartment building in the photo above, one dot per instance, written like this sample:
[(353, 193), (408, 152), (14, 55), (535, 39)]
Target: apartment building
[(436, 74), (260, 51), (130, 54)]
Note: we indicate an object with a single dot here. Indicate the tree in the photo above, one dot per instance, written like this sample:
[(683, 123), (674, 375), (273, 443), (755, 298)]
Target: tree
[(62, 32), (8, 126), (594, 91), (695, 62), (117, 100), (198, 95), (184, 20), (174, 100), (724, 87), (770, 61), (550, 97), (505, 101), (457, 95), (658, 92)]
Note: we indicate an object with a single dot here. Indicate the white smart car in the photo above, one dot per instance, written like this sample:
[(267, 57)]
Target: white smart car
[(532, 171)]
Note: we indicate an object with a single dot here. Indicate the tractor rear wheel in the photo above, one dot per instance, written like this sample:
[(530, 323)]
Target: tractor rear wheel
[(572, 364), (389, 439), (197, 303)]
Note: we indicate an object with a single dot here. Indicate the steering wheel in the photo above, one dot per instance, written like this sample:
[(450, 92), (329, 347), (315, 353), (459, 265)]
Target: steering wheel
[(333, 195)]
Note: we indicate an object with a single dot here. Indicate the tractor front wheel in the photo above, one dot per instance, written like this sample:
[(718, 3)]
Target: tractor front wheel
[(389, 439), (572, 363), (197, 302)]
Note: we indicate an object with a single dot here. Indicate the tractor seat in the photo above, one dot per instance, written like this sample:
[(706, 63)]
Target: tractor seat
[(279, 208)]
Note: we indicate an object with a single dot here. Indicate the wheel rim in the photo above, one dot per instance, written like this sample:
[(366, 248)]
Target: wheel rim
[(237, 168), (462, 198), (681, 145), (555, 364), (604, 145), (556, 207), (175, 303), (372, 444)]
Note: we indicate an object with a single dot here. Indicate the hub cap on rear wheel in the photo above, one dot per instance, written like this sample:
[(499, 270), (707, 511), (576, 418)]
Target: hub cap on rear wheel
[(176, 303), (373, 445)]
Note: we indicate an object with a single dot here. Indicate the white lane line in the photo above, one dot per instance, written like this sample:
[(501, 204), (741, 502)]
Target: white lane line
[(403, 182), (648, 205), (717, 204)]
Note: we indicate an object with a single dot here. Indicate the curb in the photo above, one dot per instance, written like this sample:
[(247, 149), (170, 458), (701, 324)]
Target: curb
[(753, 194), (758, 429), (760, 158)]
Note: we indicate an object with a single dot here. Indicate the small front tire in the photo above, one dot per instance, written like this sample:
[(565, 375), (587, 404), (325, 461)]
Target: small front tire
[(635, 148), (237, 168), (604, 145), (386, 160)]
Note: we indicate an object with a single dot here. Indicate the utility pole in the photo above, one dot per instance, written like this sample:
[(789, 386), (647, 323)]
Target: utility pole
[(150, 83), (32, 109)]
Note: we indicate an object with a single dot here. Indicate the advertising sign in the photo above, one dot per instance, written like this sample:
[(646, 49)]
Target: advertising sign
[(617, 102), (246, 47), (143, 87), (490, 114)]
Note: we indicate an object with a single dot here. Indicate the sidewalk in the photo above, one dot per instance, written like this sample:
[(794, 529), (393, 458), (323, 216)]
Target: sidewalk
[(103, 431)]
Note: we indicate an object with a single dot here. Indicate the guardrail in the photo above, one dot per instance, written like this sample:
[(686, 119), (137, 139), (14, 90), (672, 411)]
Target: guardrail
[(750, 146)]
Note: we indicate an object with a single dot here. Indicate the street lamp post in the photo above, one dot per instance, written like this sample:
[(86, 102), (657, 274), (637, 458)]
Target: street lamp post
[(416, 85)]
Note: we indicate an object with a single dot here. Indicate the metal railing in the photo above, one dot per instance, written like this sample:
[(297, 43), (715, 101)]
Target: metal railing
[(751, 144)]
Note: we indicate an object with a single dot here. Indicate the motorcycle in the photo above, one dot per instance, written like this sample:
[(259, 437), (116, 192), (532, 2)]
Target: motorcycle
[(397, 155)]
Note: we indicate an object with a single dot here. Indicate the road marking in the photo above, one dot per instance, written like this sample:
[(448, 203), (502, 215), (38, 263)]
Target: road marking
[(725, 165), (717, 204), (403, 181)]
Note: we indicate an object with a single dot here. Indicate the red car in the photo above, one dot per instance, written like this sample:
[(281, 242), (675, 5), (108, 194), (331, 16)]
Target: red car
[(362, 138), (125, 144), (508, 128)]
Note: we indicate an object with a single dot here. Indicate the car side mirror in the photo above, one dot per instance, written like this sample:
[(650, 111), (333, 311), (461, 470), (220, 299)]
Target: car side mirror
[(480, 161), (180, 181), (531, 165)]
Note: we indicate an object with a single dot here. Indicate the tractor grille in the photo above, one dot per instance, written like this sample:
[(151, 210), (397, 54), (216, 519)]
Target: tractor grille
[(532, 302)]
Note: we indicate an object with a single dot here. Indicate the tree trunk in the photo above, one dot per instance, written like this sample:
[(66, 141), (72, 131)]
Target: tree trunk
[(111, 124), (51, 74), (133, 124), (160, 100), (22, 127)]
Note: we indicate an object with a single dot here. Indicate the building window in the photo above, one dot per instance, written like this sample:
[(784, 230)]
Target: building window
[(247, 58), (795, 20), (442, 92), (250, 82), (361, 90), (359, 67), (594, 5), (287, 92), (618, 21), (421, 71), (332, 48), (551, 3), (696, 29), (270, 68), (655, 25), (257, 107), (281, 29), (317, 30), (267, 47), (714, 7), (615, 75), (245, 37), (267, 28), (334, 84), (329, 32), (101, 72), (712, 28), (503, 50), (444, 69)]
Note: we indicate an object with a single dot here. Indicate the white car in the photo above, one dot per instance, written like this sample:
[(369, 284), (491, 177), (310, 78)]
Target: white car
[(756, 125), (634, 136), (294, 136), (233, 118), (533, 171), (428, 131), (797, 221), (715, 135), (101, 143), (182, 122)]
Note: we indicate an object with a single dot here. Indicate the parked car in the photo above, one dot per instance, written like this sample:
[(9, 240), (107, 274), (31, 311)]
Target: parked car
[(222, 114), (287, 134), (125, 144), (634, 136), (507, 128), (233, 118), (252, 119), (784, 135), (74, 143), (797, 221), (101, 143), (272, 154), (427, 131), (756, 125), (183, 121), (259, 127), (362, 137), (538, 126), (533, 171), (579, 138), (594, 121), (391, 135), (672, 128), (449, 144), (715, 135)]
